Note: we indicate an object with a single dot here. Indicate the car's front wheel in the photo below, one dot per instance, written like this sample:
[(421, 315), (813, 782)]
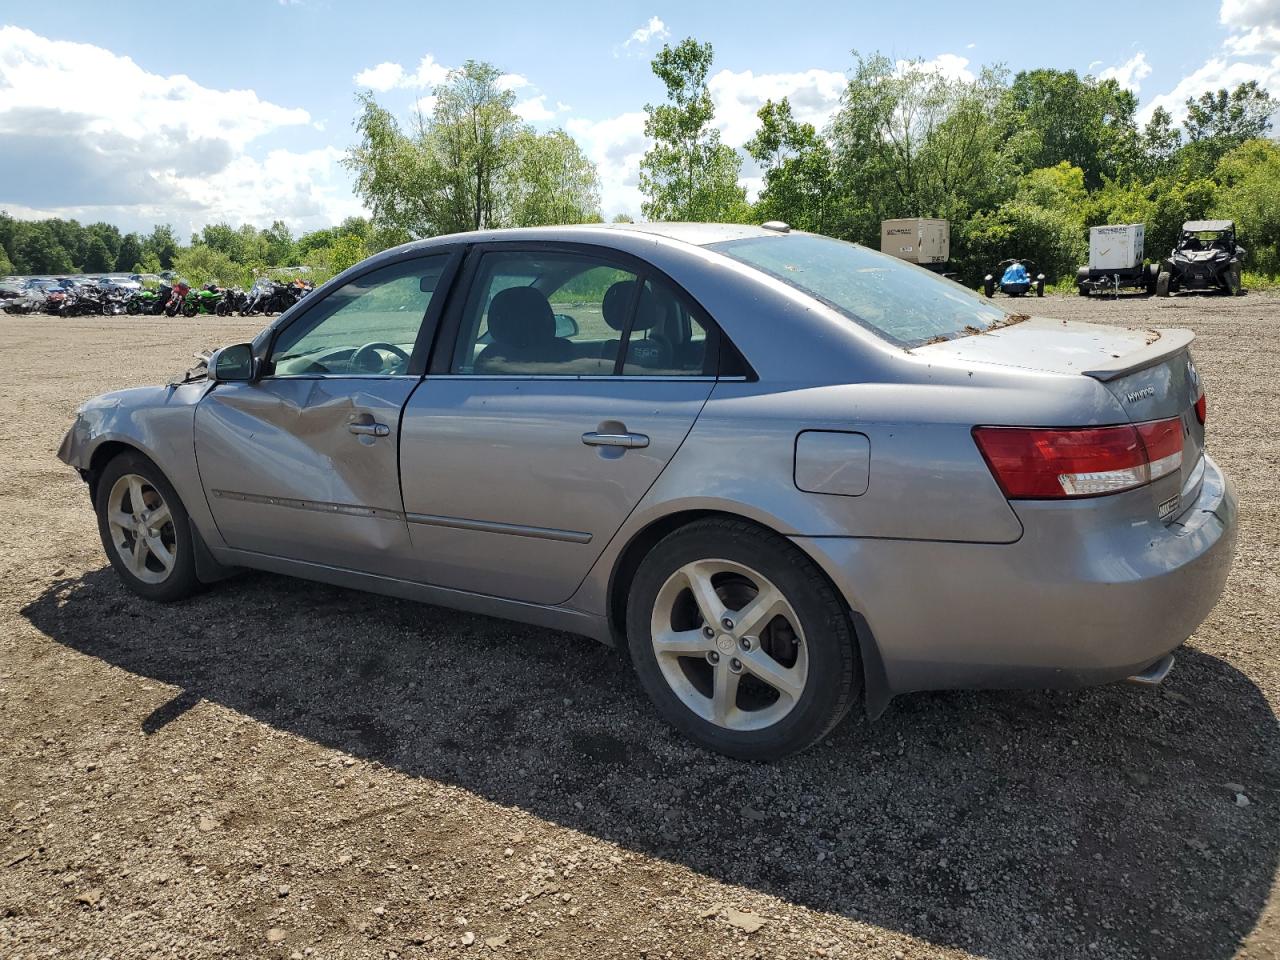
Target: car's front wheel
[(145, 530), (740, 641)]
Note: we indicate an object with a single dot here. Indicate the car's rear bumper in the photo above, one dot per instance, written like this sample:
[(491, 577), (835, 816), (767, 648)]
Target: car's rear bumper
[(1094, 591)]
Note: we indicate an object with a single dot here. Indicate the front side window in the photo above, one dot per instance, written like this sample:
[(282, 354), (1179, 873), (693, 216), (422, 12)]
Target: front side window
[(535, 313), (905, 304), (367, 327)]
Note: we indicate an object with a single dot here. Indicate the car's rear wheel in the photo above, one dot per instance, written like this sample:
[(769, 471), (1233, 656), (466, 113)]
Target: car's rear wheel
[(1162, 283), (740, 641), (145, 529)]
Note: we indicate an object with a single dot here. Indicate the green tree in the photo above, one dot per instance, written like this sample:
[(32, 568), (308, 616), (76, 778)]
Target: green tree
[(1218, 122), (1056, 115), (907, 141), (97, 258), (688, 174), (797, 164), (130, 252), (5, 266), (201, 264), (1249, 193), (550, 181), (279, 244), (163, 243), (471, 164), (39, 252)]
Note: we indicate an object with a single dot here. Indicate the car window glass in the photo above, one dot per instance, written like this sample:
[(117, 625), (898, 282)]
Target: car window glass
[(535, 313), (666, 338), (902, 303), (365, 327)]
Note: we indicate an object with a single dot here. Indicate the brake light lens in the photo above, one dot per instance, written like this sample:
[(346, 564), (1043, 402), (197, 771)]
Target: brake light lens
[(1202, 408), (1037, 463)]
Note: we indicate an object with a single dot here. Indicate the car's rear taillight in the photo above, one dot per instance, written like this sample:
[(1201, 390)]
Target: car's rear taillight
[(1040, 463), (1202, 408)]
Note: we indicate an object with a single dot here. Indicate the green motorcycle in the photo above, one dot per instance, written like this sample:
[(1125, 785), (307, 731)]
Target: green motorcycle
[(204, 300)]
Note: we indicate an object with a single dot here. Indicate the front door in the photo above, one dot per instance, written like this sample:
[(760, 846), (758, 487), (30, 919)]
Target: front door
[(573, 380), (302, 463)]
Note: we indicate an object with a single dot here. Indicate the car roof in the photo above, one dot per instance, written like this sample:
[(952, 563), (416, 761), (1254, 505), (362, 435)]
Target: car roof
[(1207, 226), (697, 234)]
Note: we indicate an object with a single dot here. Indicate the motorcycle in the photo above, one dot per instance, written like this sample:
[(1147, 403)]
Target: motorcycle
[(233, 300), (177, 302), (260, 295)]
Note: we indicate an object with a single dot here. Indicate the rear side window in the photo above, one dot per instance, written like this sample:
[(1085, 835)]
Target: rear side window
[(904, 304), (557, 313)]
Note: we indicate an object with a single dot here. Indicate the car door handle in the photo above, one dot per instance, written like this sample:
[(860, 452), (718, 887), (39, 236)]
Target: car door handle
[(631, 441), (370, 429)]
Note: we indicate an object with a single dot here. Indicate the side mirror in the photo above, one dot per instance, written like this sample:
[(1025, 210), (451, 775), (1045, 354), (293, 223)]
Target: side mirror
[(232, 364), (566, 326)]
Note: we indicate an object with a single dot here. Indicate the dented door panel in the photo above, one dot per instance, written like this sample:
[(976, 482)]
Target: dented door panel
[(286, 475)]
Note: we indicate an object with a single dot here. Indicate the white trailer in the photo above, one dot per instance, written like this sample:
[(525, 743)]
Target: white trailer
[(1116, 260), (917, 240)]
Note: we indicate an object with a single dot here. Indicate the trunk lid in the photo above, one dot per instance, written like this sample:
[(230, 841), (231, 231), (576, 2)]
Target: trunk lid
[(1149, 372)]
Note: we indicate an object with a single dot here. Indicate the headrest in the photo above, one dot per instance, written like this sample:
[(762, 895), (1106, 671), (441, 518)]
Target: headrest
[(521, 317), (617, 301)]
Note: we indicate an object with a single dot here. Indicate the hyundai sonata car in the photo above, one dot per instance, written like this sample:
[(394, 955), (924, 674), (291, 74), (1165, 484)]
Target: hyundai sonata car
[(787, 473)]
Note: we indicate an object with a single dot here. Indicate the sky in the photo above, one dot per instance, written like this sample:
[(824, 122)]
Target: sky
[(139, 113)]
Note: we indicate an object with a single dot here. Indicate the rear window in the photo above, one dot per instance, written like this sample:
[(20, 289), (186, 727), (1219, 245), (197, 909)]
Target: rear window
[(905, 304)]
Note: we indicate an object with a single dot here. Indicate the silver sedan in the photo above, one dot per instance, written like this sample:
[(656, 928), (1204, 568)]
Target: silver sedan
[(788, 473)]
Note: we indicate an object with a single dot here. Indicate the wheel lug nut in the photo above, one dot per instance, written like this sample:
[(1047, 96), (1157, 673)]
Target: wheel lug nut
[(745, 643), (708, 632), (735, 665), (713, 657), (727, 623)]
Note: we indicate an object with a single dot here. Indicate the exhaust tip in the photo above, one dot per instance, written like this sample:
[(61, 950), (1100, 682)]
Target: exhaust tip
[(1154, 675)]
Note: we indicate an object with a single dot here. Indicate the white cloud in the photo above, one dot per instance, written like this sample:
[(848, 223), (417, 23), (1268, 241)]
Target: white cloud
[(1129, 74), (383, 77), (654, 29), (738, 96), (388, 76), (534, 109), (512, 81), (1217, 73), (87, 133), (1254, 25), (616, 146), (949, 65)]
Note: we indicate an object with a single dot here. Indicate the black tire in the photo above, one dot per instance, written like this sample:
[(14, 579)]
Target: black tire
[(1163, 282), (190, 309), (1235, 281), (1083, 290), (1039, 288), (133, 308), (834, 677), (989, 287), (181, 581)]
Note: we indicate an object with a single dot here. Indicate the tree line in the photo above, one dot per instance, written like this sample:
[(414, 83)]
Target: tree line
[(1020, 164)]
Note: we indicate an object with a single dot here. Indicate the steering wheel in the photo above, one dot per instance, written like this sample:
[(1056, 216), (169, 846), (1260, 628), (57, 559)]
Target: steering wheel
[(367, 359)]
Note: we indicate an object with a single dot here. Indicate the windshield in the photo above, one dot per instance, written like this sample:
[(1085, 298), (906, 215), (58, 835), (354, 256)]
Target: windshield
[(905, 304)]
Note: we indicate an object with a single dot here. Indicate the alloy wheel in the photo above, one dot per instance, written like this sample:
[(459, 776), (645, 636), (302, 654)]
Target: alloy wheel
[(729, 644), (142, 529)]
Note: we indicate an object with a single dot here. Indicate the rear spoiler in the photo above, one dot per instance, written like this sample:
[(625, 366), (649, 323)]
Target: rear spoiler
[(1166, 344)]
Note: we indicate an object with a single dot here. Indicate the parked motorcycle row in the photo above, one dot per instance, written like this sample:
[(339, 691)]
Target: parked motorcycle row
[(111, 296)]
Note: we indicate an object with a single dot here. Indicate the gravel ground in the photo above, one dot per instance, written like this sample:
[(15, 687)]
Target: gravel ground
[(278, 769)]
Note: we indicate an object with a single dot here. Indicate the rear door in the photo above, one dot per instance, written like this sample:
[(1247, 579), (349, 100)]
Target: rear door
[(567, 381), (303, 462)]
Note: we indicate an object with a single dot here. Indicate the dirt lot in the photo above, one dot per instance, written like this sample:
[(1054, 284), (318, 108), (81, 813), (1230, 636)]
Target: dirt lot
[(278, 769)]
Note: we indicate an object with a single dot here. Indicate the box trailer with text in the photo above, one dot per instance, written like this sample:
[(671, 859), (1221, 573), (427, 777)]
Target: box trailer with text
[(918, 240), (1115, 260)]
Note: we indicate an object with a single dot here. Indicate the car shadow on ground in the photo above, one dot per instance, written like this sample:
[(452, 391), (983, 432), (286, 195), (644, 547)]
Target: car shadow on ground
[(1008, 824)]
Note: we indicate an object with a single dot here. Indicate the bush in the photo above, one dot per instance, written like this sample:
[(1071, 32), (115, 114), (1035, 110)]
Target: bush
[(1051, 238)]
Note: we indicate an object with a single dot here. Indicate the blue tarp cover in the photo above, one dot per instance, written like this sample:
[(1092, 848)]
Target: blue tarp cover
[(1016, 273)]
